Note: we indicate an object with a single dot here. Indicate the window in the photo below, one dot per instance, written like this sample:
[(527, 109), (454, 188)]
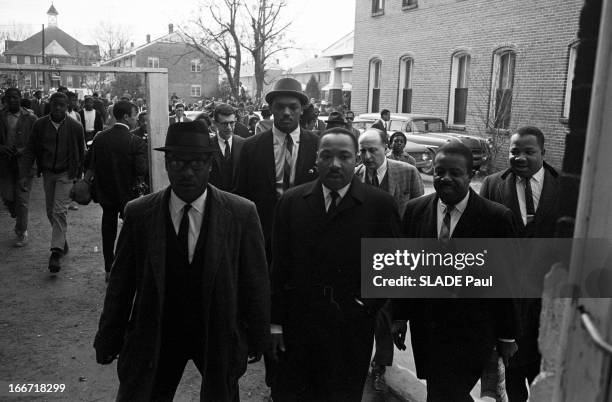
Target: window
[(374, 84), (406, 4), (196, 90), (405, 85), (54, 61), (153, 62), (378, 7), (69, 81), (40, 81), (457, 102), (26, 59), (27, 80), (501, 94), (196, 66), (571, 65), (13, 59), (39, 60)]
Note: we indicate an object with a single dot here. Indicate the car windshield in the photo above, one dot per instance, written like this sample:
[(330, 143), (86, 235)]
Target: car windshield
[(429, 125)]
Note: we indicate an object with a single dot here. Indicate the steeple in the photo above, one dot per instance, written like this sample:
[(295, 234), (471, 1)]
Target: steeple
[(52, 13)]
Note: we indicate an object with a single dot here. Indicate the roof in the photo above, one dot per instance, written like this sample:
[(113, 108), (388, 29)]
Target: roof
[(247, 70), (32, 45), (341, 47), (52, 10), (314, 65)]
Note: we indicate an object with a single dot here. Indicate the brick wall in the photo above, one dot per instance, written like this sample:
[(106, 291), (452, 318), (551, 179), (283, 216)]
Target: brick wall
[(540, 31), (176, 57)]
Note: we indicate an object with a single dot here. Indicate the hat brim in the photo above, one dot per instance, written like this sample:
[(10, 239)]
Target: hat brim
[(191, 149), (300, 95)]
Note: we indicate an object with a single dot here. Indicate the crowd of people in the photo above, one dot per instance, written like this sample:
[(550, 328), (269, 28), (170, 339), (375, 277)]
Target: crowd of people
[(254, 248)]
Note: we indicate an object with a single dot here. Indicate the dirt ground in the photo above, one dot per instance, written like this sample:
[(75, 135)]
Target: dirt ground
[(48, 322)]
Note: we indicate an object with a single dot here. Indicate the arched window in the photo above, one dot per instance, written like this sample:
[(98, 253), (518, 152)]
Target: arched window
[(374, 85), (457, 100), (405, 85), (500, 110)]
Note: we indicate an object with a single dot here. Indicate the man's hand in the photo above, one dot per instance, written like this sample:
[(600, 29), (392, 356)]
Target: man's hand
[(278, 346), (506, 350), (398, 331), (104, 358), (5, 150)]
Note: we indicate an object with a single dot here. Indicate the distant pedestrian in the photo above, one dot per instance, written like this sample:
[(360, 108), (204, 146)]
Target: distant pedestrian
[(57, 145), (117, 161), (398, 144), (90, 118), (15, 129), (265, 123), (179, 114), (383, 123)]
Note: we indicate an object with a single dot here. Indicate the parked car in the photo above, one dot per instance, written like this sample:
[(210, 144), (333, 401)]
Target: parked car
[(422, 154), (431, 131)]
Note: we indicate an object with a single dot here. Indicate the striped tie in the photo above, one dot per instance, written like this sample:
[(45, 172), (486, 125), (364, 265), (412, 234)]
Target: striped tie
[(287, 165), (445, 232)]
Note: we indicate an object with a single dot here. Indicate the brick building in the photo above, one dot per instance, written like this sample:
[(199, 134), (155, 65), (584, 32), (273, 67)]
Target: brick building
[(59, 49), (480, 64), (191, 75)]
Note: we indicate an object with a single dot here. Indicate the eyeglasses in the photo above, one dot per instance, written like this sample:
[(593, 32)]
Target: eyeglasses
[(225, 123), (194, 164)]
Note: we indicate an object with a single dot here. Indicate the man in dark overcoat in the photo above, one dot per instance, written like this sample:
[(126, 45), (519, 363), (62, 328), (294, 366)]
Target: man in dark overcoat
[(453, 338), (322, 330), (530, 188), (189, 282)]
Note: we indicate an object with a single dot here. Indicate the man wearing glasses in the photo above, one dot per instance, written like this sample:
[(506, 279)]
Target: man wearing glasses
[(225, 161), (189, 282)]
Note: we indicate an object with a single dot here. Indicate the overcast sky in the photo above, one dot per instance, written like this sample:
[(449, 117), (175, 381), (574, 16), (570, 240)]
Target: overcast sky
[(316, 23)]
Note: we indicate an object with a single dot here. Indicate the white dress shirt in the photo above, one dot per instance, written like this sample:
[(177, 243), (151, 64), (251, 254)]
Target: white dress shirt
[(537, 182), (195, 214), (90, 119), (455, 213), (222, 143), (280, 149), (328, 198)]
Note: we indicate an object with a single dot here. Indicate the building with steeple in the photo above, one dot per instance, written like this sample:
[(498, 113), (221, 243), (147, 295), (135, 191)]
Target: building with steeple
[(50, 46)]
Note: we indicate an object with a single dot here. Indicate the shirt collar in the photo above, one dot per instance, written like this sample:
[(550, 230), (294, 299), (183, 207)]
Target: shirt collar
[(342, 191), (222, 141), (538, 176), (176, 204), (295, 134), (460, 206), (121, 124), (382, 169)]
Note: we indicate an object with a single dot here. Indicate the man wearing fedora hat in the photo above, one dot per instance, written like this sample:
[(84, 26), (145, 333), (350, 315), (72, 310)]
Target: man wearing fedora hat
[(277, 159), (189, 282)]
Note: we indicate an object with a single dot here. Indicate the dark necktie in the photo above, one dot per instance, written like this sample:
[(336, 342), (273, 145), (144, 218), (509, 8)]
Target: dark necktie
[(529, 200), (334, 202), (287, 164), (445, 230), (372, 178), (183, 234), (228, 151)]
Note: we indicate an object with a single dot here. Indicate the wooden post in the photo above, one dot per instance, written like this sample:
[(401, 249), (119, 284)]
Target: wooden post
[(157, 100), (585, 368)]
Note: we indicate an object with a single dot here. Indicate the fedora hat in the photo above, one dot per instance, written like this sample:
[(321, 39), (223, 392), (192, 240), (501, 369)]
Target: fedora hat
[(191, 136), (287, 86)]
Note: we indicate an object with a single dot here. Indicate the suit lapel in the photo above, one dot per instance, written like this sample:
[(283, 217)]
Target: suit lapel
[(237, 146), (314, 198), (431, 229), (393, 179), (157, 241), (469, 218), (304, 154), (266, 150), (218, 224), (548, 195)]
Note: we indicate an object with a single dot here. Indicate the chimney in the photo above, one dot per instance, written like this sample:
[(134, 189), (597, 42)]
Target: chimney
[(148, 38), (170, 28)]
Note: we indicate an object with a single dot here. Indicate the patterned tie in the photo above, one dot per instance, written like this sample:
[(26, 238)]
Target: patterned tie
[(529, 200), (334, 202), (287, 165), (445, 232), (228, 151), (183, 234)]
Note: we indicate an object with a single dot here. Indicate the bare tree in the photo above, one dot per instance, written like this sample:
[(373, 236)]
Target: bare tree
[(267, 36), (112, 39), (13, 31), (216, 35)]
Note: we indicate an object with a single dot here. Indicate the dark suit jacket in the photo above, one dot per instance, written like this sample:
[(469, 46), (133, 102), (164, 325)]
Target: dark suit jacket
[(217, 172), (236, 290), (257, 172), (117, 158), (501, 187), (172, 119), (455, 337), (240, 130), (98, 122)]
